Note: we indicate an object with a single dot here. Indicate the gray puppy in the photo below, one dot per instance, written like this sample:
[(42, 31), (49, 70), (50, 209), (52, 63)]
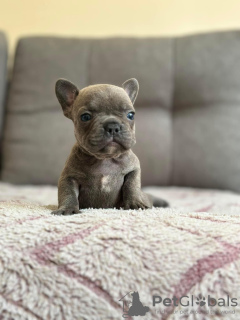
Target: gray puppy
[(101, 171)]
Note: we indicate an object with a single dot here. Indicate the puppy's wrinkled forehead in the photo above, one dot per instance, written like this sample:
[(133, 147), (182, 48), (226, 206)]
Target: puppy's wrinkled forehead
[(103, 97)]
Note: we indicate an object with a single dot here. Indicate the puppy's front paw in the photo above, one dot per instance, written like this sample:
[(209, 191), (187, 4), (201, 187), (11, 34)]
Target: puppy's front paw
[(135, 205), (66, 211), (137, 202)]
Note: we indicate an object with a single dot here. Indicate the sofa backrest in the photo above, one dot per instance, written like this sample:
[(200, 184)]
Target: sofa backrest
[(187, 111), (3, 79)]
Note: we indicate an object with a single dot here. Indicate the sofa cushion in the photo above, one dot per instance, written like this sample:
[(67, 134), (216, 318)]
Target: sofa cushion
[(206, 115), (38, 138)]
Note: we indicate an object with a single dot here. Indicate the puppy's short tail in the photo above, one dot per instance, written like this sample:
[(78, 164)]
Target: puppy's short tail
[(159, 203)]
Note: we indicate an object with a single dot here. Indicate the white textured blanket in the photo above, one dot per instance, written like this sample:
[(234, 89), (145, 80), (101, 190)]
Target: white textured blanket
[(79, 267)]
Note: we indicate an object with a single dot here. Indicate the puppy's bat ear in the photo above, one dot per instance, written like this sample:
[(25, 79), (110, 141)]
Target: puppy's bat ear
[(131, 86), (66, 93)]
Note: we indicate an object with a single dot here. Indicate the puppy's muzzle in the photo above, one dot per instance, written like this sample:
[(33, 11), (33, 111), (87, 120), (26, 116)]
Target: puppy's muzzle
[(112, 128)]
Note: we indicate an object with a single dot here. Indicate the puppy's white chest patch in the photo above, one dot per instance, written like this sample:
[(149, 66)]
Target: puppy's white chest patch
[(105, 183)]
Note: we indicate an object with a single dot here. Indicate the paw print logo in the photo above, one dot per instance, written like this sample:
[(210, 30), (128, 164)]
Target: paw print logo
[(201, 300)]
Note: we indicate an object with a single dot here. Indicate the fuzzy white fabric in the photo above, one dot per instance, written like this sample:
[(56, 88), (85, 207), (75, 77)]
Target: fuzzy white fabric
[(78, 267)]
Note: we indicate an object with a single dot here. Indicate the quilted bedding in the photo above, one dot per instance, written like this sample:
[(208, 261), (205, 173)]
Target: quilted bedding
[(90, 265)]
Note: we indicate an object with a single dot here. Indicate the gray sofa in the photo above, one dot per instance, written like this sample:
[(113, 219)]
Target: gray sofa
[(188, 133), (187, 108)]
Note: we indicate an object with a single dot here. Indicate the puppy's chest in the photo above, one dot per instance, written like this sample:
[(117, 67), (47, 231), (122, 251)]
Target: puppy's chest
[(107, 182), (106, 177)]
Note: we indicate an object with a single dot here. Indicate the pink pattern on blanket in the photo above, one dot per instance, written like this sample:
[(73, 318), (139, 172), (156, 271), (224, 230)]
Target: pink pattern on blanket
[(197, 200), (205, 209), (43, 253), (203, 266), (43, 256), (21, 221)]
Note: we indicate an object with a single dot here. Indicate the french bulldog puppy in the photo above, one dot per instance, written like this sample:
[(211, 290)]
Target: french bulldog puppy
[(102, 171)]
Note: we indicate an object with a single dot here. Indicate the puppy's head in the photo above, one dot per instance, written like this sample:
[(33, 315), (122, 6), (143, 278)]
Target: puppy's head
[(103, 116)]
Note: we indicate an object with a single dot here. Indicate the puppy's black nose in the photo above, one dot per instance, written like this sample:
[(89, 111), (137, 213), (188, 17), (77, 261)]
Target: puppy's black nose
[(112, 127)]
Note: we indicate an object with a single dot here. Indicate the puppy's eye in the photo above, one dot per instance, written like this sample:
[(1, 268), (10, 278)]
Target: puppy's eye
[(86, 117), (130, 116)]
